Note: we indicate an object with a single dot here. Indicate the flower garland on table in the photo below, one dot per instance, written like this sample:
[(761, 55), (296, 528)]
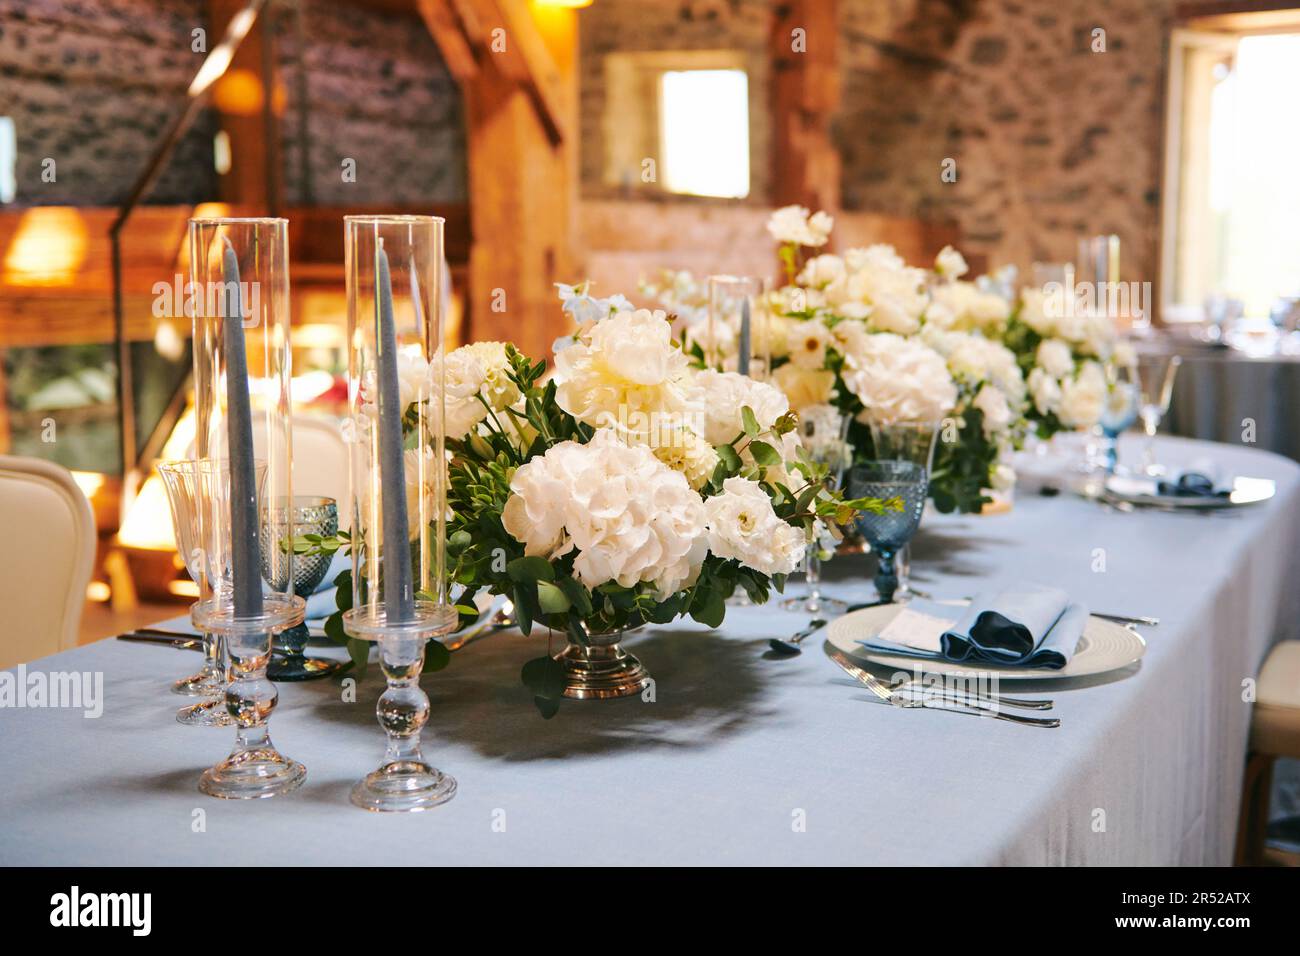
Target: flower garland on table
[(628, 487)]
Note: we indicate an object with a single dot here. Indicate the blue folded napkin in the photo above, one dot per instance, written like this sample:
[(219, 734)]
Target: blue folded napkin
[(1195, 484), (1029, 625)]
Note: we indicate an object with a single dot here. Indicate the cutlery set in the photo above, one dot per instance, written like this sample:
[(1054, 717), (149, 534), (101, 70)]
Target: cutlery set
[(899, 691)]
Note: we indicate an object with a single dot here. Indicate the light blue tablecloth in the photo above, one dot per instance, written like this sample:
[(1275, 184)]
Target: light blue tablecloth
[(741, 758)]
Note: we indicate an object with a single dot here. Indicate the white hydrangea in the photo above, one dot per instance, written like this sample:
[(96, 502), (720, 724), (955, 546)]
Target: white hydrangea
[(629, 517), (899, 380)]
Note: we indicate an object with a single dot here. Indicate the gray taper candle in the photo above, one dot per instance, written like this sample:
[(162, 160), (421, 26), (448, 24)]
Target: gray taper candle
[(744, 348), (399, 596), (245, 559)]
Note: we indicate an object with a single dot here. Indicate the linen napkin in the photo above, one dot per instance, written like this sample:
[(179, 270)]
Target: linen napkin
[(1028, 625), (1202, 480)]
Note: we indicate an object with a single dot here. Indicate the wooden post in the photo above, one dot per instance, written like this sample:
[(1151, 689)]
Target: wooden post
[(805, 94), (516, 65), (247, 102)]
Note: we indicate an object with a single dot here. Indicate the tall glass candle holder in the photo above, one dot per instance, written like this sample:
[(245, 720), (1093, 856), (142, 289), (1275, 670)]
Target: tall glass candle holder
[(397, 492), (239, 297), (738, 330)]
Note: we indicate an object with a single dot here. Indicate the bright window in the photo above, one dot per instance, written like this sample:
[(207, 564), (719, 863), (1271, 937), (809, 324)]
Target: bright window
[(704, 132), (8, 159)]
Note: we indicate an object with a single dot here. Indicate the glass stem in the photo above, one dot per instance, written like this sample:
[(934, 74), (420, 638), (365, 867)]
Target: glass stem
[(1149, 425), (813, 575), (213, 669), (886, 575)]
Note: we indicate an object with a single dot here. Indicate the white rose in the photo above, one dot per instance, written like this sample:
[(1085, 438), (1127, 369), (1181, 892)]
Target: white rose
[(1044, 390), (1083, 398), (1004, 478), (819, 227), (1055, 357), (724, 394), (684, 451), (498, 389), (792, 224), (997, 414), (463, 378), (743, 526), (950, 263)]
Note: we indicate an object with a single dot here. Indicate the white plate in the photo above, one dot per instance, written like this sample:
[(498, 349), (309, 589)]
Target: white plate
[(1104, 646), (1142, 491)]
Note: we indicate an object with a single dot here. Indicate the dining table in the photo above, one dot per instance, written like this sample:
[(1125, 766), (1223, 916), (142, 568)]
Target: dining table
[(734, 754)]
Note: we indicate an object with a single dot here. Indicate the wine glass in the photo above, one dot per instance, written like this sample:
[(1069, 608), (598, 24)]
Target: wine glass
[(310, 515), (824, 430), (906, 441), (188, 482), (890, 531), (1155, 382)]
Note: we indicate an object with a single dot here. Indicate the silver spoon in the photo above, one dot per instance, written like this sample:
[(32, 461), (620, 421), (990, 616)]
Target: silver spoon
[(792, 645)]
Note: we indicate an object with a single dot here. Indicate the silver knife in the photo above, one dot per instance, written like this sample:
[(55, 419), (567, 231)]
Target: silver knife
[(959, 706)]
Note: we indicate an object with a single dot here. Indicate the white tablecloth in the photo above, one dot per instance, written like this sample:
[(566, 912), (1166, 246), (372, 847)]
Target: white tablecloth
[(740, 758)]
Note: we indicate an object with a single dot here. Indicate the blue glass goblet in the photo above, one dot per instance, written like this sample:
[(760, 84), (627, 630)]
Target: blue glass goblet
[(310, 515), (889, 532)]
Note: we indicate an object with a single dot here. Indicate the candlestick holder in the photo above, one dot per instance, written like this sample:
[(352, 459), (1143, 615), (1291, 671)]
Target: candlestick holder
[(397, 493), (239, 298), (738, 330)]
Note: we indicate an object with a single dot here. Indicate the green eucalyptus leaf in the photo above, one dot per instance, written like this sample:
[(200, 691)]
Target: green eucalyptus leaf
[(548, 707), (764, 454), (359, 651), (749, 421), (529, 569), (544, 676), (552, 598), (436, 657), (334, 629)]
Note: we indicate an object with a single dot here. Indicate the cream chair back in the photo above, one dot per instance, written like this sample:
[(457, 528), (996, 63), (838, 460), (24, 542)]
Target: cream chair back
[(49, 548)]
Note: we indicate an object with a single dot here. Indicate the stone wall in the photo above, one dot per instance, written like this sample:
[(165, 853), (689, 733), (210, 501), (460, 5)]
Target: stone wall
[(92, 84), (377, 92), (1051, 140)]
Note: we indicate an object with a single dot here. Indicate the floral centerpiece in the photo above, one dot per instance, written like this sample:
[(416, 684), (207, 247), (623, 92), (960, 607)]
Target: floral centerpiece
[(627, 487)]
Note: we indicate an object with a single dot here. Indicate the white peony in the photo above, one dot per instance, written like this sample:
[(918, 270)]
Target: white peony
[(1055, 358), (629, 517), (724, 394), (950, 263), (899, 380), (627, 370), (743, 526)]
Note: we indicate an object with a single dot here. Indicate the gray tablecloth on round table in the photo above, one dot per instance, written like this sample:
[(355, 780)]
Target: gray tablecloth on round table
[(1218, 392), (740, 758)]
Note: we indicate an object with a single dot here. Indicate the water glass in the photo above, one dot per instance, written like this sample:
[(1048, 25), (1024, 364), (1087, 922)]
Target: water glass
[(1155, 382), (888, 533)]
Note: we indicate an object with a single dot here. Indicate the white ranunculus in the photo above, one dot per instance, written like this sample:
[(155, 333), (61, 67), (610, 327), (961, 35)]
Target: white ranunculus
[(743, 526), (684, 451), (950, 263), (628, 370), (1083, 398), (1055, 358), (997, 413), (899, 380), (804, 386), (629, 516), (806, 343), (724, 394)]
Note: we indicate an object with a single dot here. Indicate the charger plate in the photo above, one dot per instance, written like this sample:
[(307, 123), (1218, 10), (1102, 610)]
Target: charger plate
[(1105, 646)]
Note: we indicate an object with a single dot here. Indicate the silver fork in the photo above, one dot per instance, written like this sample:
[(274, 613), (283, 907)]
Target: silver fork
[(1024, 703), (959, 706)]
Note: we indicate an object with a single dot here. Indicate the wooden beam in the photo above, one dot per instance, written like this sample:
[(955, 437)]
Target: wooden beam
[(448, 33)]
